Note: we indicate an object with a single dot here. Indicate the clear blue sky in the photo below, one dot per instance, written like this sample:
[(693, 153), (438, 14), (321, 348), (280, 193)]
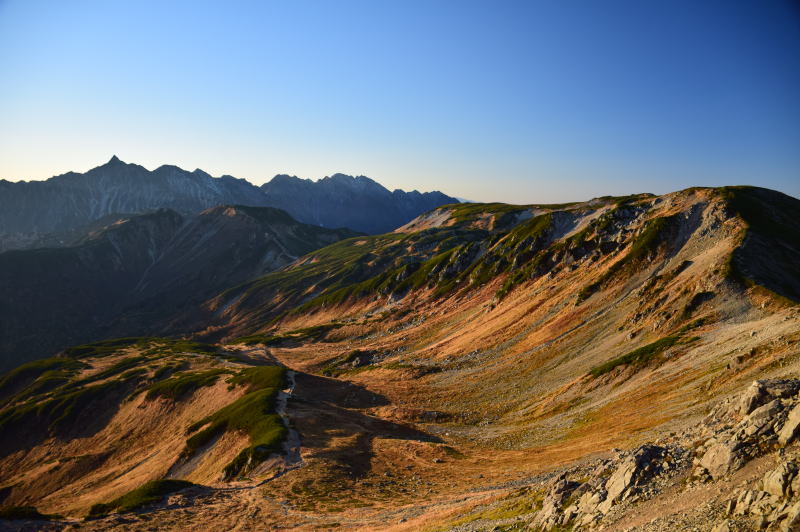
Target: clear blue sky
[(511, 101)]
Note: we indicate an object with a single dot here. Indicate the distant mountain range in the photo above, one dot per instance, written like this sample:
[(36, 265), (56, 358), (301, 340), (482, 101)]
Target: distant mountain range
[(62, 208), (358, 203)]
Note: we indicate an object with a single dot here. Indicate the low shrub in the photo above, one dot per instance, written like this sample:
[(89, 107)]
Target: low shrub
[(150, 493), (180, 385)]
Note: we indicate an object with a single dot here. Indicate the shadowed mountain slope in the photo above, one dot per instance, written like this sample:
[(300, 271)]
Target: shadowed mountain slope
[(135, 271)]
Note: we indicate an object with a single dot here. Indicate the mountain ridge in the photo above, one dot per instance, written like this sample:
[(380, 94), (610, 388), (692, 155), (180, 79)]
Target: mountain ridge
[(31, 211), (374, 210)]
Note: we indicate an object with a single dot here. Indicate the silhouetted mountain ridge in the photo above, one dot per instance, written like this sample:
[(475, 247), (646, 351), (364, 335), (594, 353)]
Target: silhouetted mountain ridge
[(32, 211), (357, 202)]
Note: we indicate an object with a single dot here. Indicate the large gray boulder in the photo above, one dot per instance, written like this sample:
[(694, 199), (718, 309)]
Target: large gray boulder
[(763, 391), (779, 480), (791, 427), (760, 420), (633, 471), (722, 458)]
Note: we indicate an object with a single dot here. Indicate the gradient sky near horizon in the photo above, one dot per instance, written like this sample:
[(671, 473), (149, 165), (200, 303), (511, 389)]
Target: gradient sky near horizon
[(535, 101)]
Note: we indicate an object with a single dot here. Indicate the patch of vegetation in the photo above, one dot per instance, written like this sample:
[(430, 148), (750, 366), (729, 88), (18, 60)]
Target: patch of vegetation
[(169, 346), (314, 333), (103, 348), (48, 381), (409, 274), (178, 386), (471, 212), (358, 267), (632, 198), (252, 414), (397, 365), (156, 346), (164, 371), (522, 274), (259, 378), (527, 231), (768, 245), (748, 203), (119, 367), (150, 493), (58, 414), (521, 503), (50, 371), (12, 513), (533, 255), (640, 356)]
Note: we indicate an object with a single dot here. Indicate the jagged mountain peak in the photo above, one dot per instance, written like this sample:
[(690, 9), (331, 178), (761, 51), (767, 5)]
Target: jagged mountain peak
[(29, 210), (69, 201)]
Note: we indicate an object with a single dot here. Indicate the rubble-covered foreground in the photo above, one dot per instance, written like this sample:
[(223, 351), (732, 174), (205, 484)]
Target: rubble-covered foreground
[(762, 423)]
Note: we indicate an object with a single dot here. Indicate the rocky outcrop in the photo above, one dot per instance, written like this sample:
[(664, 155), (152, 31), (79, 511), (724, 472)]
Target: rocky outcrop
[(630, 477), (762, 418), (765, 416), (791, 427), (775, 503)]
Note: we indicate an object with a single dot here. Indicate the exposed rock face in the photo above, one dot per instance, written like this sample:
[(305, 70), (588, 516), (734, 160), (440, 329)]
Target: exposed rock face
[(721, 459), (345, 201), (790, 429), (145, 268), (634, 470), (777, 503), (550, 515), (762, 391), (634, 474), (766, 421)]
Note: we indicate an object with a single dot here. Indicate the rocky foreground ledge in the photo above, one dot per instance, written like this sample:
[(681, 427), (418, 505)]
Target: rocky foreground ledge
[(738, 470)]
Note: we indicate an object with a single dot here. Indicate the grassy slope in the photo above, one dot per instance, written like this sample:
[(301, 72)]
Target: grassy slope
[(769, 253), (253, 414)]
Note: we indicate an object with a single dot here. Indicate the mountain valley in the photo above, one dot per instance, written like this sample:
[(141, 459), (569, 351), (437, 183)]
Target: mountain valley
[(482, 367)]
